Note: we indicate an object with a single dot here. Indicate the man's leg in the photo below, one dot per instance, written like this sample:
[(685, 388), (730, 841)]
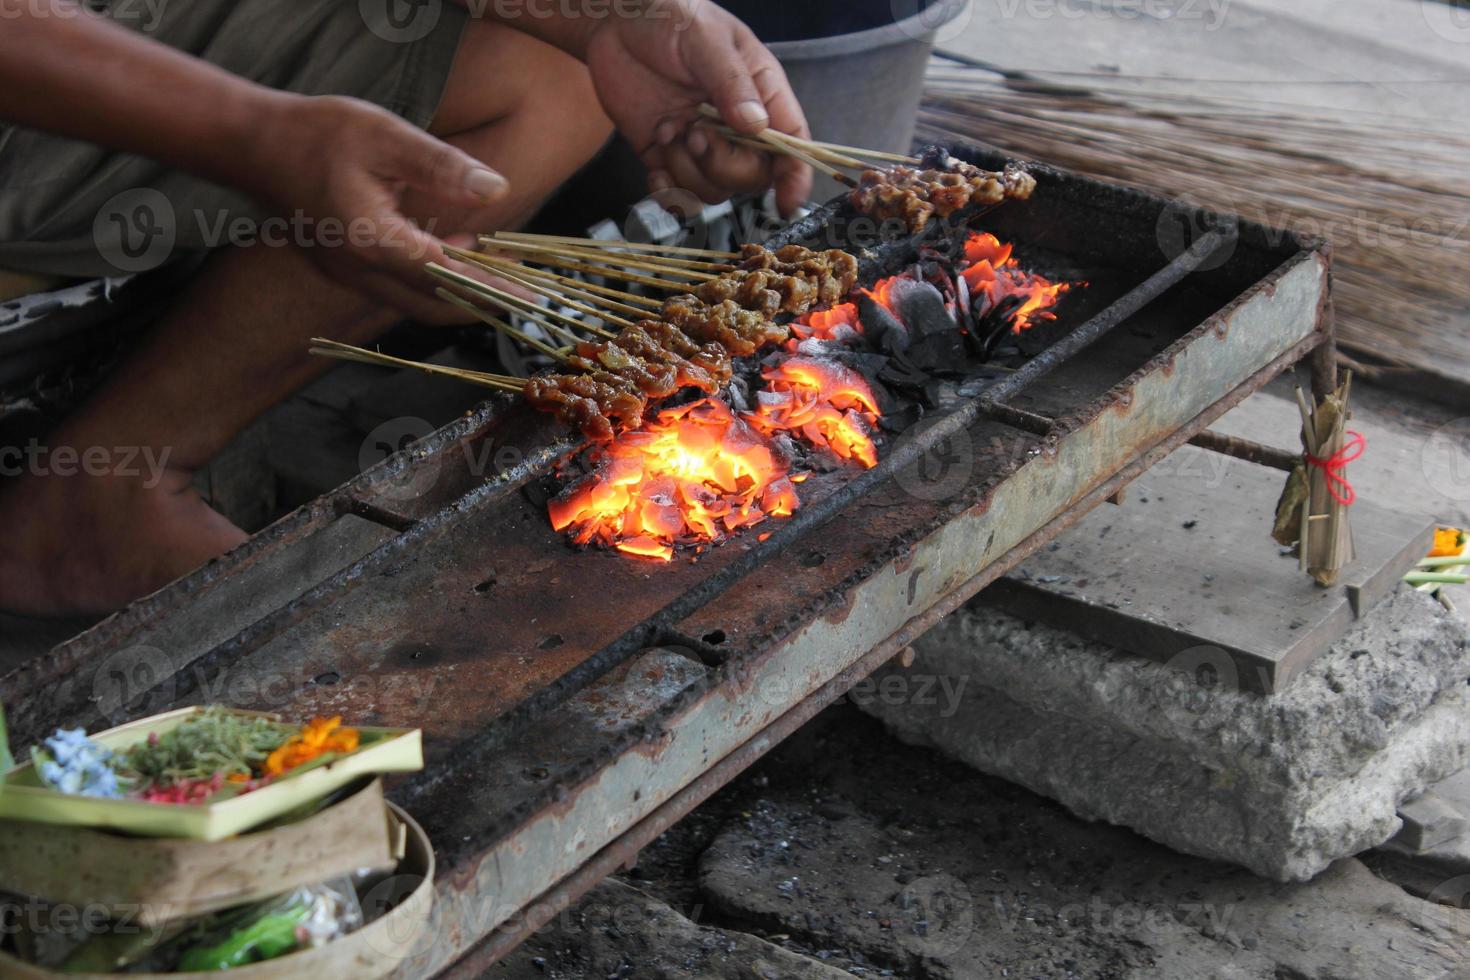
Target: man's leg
[(235, 344)]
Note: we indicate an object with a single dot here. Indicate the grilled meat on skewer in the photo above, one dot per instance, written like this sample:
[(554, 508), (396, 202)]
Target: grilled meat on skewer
[(741, 332), (791, 280), (915, 196), (691, 346)]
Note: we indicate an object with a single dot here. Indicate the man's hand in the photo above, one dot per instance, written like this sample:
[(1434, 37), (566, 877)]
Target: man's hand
[(339, 163), (343, 165), (653, 71)]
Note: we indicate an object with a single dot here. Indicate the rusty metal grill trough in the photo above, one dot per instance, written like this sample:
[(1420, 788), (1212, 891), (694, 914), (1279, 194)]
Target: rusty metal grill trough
[(576, 704)]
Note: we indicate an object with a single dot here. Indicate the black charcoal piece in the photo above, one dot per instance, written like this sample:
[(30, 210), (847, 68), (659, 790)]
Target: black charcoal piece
[(903, 419), (921, 307), (939, 353), (882, 328)]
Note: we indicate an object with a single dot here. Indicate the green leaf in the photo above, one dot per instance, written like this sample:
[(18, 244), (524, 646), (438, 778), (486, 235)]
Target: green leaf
[(7, 761)]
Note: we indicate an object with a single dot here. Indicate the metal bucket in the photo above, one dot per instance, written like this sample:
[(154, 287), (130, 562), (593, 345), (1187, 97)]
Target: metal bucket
[(861, 87)]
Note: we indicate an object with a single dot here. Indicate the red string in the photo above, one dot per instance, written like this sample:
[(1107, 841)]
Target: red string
[(1334, 467)]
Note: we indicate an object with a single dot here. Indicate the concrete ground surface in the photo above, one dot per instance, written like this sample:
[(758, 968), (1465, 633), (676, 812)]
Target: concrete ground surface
[(856, 853)]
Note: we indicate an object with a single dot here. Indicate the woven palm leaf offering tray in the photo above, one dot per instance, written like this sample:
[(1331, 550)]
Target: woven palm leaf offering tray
[(210, 838), (710, 385), (199, 773)]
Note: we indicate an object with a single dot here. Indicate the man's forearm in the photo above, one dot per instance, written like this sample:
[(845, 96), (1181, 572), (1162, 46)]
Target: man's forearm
[(69, 72)]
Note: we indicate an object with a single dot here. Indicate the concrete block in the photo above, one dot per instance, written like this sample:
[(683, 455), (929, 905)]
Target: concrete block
[(1282, 784), (1429, 822)]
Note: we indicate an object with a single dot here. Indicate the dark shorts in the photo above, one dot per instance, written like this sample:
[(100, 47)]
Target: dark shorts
[(63, 201)]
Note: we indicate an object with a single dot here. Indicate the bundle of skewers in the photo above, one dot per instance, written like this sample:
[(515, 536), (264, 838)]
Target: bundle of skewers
[(616, 351), (626, 350), (894, 185)]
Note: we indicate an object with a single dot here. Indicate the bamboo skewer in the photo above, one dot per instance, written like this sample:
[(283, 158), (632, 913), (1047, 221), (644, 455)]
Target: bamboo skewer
[(524, 307), (756, 143), (575, 266), (838, 153), (557, 296), (614, 262), (789, 145), (323, 347), (490, 319), (614, 243), (871, 154), (608, 251), (536, 278), (498, 262)]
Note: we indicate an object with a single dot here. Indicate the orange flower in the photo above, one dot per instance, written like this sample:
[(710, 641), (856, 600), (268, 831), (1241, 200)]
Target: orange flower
[(319, 737), (1447, 541)]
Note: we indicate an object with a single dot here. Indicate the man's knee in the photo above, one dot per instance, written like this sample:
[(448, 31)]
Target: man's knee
[(500, 73)]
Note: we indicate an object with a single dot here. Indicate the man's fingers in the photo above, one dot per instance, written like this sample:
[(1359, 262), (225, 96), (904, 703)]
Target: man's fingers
[(777, 95), (722, 71), (687, 174), (727, 165), (433, 166)]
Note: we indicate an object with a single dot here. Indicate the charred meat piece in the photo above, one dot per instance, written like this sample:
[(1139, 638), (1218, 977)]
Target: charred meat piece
[(638, 343), (586, 402), (791, 279), (741, 332), (915, 196)]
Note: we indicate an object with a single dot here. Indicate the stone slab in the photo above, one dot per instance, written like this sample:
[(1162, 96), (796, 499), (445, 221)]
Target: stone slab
[(846, 843), (1187, 561), (618, 931), (1283, 784)]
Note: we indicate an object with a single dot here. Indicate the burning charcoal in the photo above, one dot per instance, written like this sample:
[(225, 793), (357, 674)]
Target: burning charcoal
[(901, 373), (538, 492), (921, 308), (737, 393), (962, 305), (939, 353), (881, 327), (903, 419)]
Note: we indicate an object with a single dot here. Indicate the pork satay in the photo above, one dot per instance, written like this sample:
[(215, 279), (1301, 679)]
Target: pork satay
[(650, 378), (638, 342), (550, 393)]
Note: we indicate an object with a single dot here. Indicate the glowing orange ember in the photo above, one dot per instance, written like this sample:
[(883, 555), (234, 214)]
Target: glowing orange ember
[(994, 270), (698, 473), (827, 324), (826, 403)]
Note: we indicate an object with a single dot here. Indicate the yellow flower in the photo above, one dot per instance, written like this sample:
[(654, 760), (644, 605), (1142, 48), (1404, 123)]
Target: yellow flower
[(318, 737), (1447, 541)]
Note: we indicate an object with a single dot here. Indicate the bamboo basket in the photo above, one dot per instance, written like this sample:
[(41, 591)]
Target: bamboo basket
[(370, 953), (151, 880)]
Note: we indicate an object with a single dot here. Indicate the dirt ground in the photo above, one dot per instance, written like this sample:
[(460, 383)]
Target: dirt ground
[(847, 851)]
